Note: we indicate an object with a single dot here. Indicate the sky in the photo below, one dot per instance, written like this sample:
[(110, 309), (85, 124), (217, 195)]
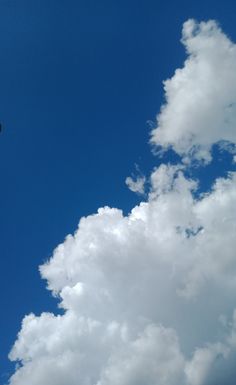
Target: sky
[(143, 290)]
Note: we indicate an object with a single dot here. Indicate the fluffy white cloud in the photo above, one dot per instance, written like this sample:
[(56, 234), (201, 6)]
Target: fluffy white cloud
[(125, 281), (200, 107), (148, 298), (153, 358)]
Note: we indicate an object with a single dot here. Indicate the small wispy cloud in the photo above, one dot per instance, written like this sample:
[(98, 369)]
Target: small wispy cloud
[(136, 185)]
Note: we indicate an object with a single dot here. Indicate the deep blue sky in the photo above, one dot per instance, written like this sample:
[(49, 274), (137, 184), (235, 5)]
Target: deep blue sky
[(78, 82)]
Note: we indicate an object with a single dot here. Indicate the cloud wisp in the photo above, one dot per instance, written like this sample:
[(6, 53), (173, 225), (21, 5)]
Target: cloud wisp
[(149, 298)]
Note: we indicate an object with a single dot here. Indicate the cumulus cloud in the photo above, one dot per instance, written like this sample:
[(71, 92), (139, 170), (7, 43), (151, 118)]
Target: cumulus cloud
[(200, 107), (149, 298)]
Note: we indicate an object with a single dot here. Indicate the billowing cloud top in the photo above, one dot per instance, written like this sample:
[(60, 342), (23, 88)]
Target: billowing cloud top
[(200, 107), (149, 298)]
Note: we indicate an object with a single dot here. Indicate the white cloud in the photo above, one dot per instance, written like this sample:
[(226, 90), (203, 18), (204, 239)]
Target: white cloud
[(197, 369), (171, 262), (137, 185), (144, 295), (200, 107), (153, 358)]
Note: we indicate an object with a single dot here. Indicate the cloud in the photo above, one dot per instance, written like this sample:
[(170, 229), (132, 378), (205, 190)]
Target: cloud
[(153, 358), (200, 107), (149, 298), (197, 369), (137, 182), (137, 185)]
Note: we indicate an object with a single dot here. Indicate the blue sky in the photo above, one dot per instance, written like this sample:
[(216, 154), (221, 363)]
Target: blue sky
[(79, 82)]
